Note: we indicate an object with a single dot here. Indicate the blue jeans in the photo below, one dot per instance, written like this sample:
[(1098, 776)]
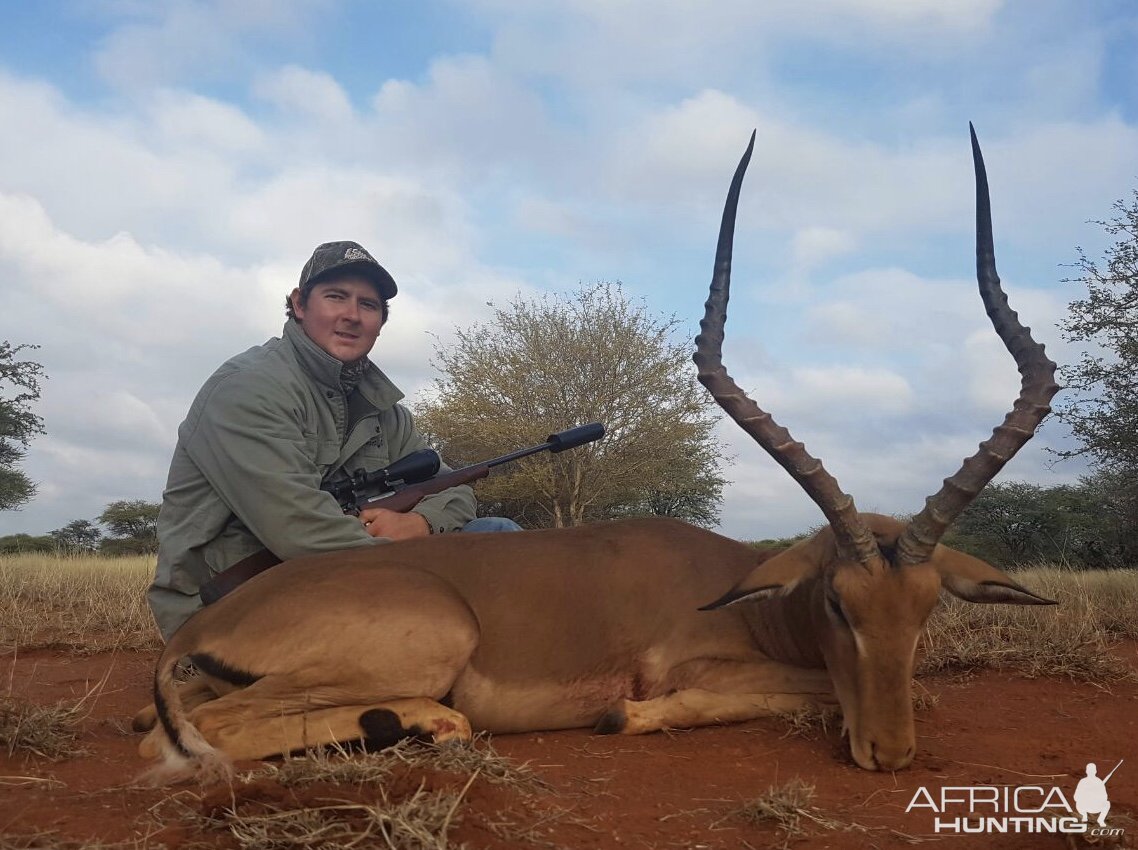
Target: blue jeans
[(491, 523)]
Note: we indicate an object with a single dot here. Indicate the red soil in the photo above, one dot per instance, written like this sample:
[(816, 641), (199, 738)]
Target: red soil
[(662, 790)]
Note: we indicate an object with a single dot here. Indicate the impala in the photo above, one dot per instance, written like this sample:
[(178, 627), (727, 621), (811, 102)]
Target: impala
[(626, 627)]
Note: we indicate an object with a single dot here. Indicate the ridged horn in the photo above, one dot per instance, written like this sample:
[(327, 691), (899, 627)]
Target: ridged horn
[(1037, 387), (854, 539)]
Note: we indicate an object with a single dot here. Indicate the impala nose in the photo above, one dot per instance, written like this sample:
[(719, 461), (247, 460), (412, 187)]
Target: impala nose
[(891, 758)]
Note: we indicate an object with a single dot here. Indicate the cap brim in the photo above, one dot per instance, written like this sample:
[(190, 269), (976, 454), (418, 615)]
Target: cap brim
[(374, 272)]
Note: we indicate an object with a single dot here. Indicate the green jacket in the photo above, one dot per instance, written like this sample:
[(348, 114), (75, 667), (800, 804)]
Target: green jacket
[(261, 436)]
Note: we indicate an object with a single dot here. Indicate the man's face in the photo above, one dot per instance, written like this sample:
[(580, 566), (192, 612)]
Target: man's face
[(342, 316)]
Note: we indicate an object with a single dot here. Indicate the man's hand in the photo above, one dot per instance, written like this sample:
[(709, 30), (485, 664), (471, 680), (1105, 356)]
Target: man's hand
[(380, 522)]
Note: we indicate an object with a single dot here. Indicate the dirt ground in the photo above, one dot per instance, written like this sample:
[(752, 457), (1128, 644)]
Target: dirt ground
[(675, 790)]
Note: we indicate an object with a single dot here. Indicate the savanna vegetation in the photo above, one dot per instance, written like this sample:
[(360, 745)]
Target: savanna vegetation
[(552, 362), (19, 424), (420, 796), (126, 527)]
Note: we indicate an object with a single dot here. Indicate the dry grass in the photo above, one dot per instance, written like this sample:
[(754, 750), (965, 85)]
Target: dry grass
[(84, 604), (46, 731), (787, 807), (1072, 640), (378, 814), (477, 756), (421, 820), (52, 841), (811, 722)]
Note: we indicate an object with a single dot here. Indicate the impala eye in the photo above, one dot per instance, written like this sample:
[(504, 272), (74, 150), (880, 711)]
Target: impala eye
[(836, 607)]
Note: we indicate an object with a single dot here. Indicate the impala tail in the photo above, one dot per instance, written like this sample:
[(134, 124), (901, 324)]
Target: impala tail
[(185, 753)]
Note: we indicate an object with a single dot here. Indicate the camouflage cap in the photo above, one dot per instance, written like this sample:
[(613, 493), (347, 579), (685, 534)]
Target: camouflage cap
[(346, 257)]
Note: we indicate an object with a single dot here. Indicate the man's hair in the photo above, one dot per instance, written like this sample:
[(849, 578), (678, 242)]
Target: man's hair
[(306, 290)]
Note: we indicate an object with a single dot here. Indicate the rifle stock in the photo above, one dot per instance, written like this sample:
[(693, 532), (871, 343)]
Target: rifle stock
[(404, 499)]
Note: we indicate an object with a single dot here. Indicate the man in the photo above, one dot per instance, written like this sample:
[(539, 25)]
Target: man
[(274, 423)]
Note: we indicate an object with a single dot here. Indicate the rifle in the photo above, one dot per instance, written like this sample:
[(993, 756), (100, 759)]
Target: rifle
[(398, 487)]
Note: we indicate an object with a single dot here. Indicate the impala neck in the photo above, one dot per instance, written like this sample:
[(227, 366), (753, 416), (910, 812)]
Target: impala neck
[(783, 628)]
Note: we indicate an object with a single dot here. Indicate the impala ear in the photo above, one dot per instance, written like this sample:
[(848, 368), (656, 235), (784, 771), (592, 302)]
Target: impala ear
[(974, 580), (778, 575)]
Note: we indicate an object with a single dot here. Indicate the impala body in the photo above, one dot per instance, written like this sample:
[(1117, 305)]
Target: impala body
[(625, 627)]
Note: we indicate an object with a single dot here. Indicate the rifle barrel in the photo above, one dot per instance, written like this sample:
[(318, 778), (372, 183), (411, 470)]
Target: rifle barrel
[(559, 442)]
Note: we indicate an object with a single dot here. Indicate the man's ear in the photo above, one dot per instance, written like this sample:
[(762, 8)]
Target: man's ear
[(294, 299)]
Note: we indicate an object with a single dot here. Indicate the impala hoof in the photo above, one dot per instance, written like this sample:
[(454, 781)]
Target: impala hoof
[(612, 722), (382, 728), (145, 719)]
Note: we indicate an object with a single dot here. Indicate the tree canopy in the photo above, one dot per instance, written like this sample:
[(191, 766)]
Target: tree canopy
[(134, 524), (78, 536), (1101, 406), (1084, 525), (550, 363), (19, 389)]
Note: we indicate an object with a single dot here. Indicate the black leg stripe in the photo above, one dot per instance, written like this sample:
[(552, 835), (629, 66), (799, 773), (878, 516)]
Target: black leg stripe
[(220, 670)]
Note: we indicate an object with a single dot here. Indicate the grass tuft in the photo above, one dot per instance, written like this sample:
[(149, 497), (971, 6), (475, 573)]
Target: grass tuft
[(1071, 640), (46, 731), (420, 820), (287, 804), (340, 765), (788, 808)]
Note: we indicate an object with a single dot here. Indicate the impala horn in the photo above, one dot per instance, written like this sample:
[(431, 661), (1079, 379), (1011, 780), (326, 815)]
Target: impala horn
[(854, 540), (1037, 387)]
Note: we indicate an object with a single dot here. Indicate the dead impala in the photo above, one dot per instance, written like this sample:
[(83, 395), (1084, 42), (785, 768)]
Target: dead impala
[(626, 627)]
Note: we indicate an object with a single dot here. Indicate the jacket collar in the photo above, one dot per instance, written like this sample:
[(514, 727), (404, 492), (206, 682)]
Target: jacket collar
[(376, 388)]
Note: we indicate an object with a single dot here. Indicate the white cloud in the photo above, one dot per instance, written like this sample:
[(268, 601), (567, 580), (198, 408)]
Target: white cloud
[(813, 246), (166, 40), (467, 113), (310, 95), (184, 120), (592, 42)]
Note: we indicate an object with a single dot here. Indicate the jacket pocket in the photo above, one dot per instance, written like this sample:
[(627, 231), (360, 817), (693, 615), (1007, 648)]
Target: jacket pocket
[(322, 452)]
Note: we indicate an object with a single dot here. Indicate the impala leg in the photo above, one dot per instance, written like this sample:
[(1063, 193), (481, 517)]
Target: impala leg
[(695, 707), (705, 692), (192, 693), (378, 725)]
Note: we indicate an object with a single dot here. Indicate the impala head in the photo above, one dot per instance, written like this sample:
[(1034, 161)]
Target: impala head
[(869, 582)]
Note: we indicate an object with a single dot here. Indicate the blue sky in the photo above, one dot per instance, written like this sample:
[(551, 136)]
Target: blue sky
[(168, 166)]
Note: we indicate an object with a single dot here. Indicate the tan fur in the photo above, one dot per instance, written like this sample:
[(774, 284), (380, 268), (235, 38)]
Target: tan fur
[(558, 629)]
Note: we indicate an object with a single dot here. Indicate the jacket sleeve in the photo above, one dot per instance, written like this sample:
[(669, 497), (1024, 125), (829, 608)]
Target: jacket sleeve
[(446, 511), (249, 443)]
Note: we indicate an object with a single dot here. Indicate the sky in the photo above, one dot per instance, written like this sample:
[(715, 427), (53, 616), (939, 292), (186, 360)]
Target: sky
[(167, 166)]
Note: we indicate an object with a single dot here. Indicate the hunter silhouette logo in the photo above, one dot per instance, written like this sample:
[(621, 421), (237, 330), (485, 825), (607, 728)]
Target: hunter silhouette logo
[(1090, 794), (1001, 809)]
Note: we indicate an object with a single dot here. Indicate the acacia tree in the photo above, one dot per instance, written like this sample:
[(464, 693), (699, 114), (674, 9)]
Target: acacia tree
[(80, 535), (134, 524), (544, 365), (1102, 408), (19, 389), (1102, 405)]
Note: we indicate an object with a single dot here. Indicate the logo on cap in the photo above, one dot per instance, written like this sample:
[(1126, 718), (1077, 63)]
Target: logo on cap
[(356, 253)]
